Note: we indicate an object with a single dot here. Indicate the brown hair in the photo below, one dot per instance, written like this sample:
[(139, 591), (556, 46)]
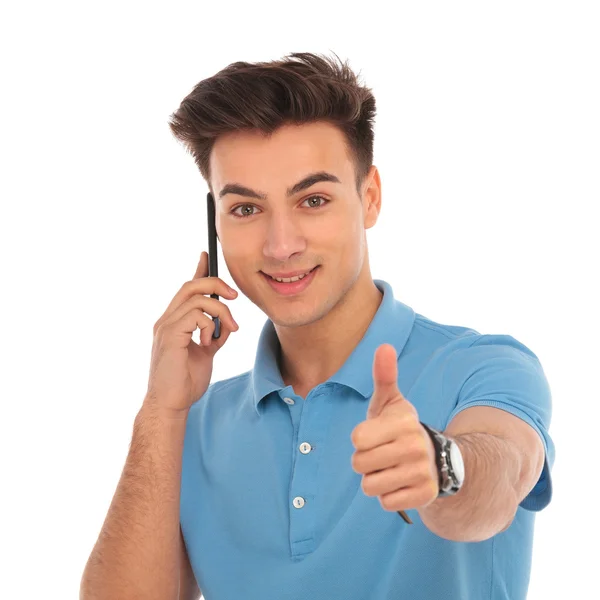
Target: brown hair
[(300, 88)]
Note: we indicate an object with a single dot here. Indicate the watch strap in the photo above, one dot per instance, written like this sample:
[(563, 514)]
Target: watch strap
[(438, 455)]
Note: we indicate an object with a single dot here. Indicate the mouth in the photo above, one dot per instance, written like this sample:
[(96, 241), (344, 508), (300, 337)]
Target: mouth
[(292, 287)]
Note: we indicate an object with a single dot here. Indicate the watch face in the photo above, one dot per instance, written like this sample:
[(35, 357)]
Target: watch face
[(458, 465)]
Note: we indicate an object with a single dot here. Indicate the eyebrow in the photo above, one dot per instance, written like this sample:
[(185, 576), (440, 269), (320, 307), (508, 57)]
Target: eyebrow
[(308, 181)]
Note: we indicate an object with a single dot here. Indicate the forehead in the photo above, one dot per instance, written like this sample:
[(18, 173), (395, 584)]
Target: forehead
[(292, 151)]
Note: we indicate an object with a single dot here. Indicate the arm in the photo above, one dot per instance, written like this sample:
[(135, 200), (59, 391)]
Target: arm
[(138, 552), (503, 458), (188, 586)]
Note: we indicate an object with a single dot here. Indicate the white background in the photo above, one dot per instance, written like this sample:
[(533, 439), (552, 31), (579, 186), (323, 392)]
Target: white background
[(487, 141)]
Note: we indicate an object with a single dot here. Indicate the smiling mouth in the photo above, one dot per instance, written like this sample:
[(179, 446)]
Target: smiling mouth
[(295, 278)]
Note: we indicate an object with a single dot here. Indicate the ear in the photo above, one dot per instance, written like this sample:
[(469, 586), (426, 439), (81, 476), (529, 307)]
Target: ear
[(372, 198)]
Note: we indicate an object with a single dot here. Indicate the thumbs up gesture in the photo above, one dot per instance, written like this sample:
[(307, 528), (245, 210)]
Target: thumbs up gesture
[(393, 450)]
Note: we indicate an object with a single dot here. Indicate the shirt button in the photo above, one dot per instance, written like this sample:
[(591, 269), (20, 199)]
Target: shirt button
[(305, 447), (298, 502), (288, 400)]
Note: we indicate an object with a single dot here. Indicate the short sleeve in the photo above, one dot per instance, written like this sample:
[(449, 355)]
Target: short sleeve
[(499, 371)]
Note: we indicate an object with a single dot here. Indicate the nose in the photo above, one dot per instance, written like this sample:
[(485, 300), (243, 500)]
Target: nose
[(284, 238)]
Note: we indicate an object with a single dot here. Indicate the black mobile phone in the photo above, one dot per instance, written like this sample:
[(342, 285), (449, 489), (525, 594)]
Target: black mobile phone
[(213, 269)]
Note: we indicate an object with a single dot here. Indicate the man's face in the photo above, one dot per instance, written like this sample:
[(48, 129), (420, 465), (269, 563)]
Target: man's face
[(323, 224)]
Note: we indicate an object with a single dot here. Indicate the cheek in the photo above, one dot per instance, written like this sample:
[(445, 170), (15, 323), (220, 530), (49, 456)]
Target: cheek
[(235, 244), (236, 261), (350, 237), (344, 228)]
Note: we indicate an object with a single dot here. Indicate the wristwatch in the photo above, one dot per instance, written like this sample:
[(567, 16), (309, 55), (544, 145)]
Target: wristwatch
[(450, 465)]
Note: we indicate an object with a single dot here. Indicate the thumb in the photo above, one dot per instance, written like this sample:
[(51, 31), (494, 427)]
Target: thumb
[(385, 380)]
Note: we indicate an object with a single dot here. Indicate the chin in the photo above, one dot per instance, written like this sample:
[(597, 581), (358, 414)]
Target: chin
[(297, 315)]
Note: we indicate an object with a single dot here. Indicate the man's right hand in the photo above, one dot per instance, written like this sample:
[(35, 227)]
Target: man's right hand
[(180, 369)]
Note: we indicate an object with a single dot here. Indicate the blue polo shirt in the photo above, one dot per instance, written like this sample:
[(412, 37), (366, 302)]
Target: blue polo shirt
[(271, 508)]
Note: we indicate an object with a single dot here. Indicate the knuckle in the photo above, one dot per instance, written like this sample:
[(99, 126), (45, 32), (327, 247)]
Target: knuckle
[(386, 502), (193, 285), (224, 312), (404, 417), (434, 490), (422, 449), (419, 473), (417, 448), (409, 424), (366, 486), (425, 467), (159, 328), (208, 330), (357, 435), (188, 284), (427, 493), (200, 316), (163, 332)]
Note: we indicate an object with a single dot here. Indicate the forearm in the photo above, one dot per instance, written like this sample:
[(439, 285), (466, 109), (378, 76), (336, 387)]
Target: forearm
[(487, 501), (136, 555)]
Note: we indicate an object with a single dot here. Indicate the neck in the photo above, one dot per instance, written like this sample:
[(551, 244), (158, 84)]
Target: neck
[(312, 353)]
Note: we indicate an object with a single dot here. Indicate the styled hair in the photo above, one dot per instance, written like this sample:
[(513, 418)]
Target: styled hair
[(300, 88)]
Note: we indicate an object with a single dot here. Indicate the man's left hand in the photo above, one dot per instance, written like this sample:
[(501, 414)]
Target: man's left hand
[(393, 450)]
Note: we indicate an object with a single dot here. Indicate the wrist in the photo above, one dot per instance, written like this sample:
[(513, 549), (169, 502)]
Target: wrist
[(152, 409), (448, 461)]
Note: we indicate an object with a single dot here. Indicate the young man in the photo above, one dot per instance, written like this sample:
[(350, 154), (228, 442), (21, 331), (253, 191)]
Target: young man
[(294, 473)]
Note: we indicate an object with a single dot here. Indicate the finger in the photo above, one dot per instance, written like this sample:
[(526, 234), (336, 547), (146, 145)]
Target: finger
[(380, 457), (409, 497), (207, 341), (206, 331), (385, 481), (180, 331), (202, 268), (372, 434), (211, 306), (217, 343), (373, 453), (202, 285)]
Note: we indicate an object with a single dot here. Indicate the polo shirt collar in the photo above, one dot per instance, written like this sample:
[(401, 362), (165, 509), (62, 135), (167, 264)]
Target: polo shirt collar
[(392, 324)]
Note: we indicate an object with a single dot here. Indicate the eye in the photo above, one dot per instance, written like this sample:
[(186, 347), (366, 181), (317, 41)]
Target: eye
[(319, 197), (232, 211), (244, 216)]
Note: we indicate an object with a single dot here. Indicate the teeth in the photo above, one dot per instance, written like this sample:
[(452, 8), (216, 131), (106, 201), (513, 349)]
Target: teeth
[(290, 279)]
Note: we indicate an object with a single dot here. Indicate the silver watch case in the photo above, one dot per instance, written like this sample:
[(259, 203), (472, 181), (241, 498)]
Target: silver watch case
[(452, 471)]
